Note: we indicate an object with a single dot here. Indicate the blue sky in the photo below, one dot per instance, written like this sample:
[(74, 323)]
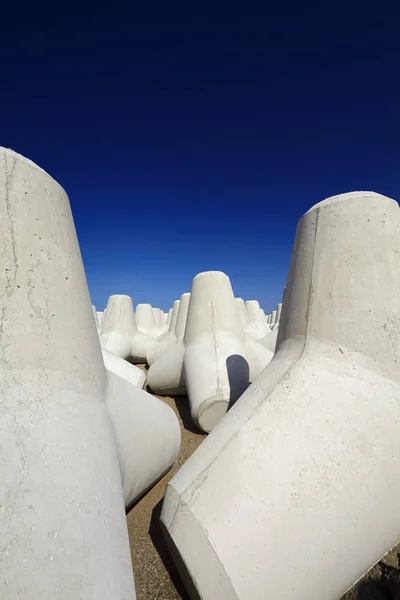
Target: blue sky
[(193, 138)]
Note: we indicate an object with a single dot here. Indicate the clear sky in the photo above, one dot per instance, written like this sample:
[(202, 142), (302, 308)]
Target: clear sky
[(193, 136)]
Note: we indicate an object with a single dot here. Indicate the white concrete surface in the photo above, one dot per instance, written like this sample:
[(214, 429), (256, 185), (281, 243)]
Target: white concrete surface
[(145, 321), (99, 318), (215, 362), (273, 319), (256, 317), (249, 329), (62, 520), (118, 326), (269, 341), (124, 369), (148, 435), (257, 356), (119, 333), (278, 316), (174, 316), (96, 320), (169, 317), (166, 342), (294, 495)]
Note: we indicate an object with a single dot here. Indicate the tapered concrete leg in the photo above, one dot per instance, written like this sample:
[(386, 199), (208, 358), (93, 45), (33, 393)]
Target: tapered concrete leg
[(96, 321), (169, 317), (165, 376), (62, 521), (159, 320), (118, 326), (273, 318), (256, 318), (99, 319), (294, 495), (124, 369), (145, 321), (278, 316), (148, 435), (215, 362), (163, 345), (174, 315), (269, 341), (249, 330), (258, 357), (119, 333)]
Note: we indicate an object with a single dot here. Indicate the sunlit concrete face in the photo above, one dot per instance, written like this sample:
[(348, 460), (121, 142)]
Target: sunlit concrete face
[(146, 323), (165, 343), (307, 457), (62, 522), (215, 362), (209, 358), (119, 333)]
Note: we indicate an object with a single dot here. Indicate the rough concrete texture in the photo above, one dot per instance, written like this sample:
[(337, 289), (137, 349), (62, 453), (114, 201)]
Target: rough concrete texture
[(165, 343), (315, 442), (62, 525), (215, 361), (119, 333)]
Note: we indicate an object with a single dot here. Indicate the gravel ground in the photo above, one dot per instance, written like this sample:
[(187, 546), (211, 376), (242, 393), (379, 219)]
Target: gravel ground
[(156, 577)]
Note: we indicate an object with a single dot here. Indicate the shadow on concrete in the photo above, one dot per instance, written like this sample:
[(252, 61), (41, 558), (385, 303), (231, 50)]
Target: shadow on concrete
[(238, 376), (160, 544)]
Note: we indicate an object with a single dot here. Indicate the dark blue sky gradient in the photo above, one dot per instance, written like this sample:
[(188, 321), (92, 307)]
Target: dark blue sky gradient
[(193, 137)]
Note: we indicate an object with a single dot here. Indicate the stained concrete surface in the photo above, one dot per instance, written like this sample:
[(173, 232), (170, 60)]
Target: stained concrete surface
[(156, 577)]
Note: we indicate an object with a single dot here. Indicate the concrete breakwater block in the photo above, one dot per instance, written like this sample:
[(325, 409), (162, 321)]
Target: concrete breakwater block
[(294, 495)]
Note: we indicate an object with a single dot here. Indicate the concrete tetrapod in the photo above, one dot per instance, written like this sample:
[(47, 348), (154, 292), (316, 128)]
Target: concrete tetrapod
[(147, 432), (315, 442), (119, 333), (210, 363), (99, 318), (215, 361), (62, 520), (258, 357), (174, 316), (169, 318), (269, 341), (250, 330), (145, 321), (96, 320), (177, 334), (278, 316), (159, 320), (124, 369), (256, 317)]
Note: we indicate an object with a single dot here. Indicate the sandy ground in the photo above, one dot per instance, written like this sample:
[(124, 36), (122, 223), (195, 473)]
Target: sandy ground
[(156, 577)]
